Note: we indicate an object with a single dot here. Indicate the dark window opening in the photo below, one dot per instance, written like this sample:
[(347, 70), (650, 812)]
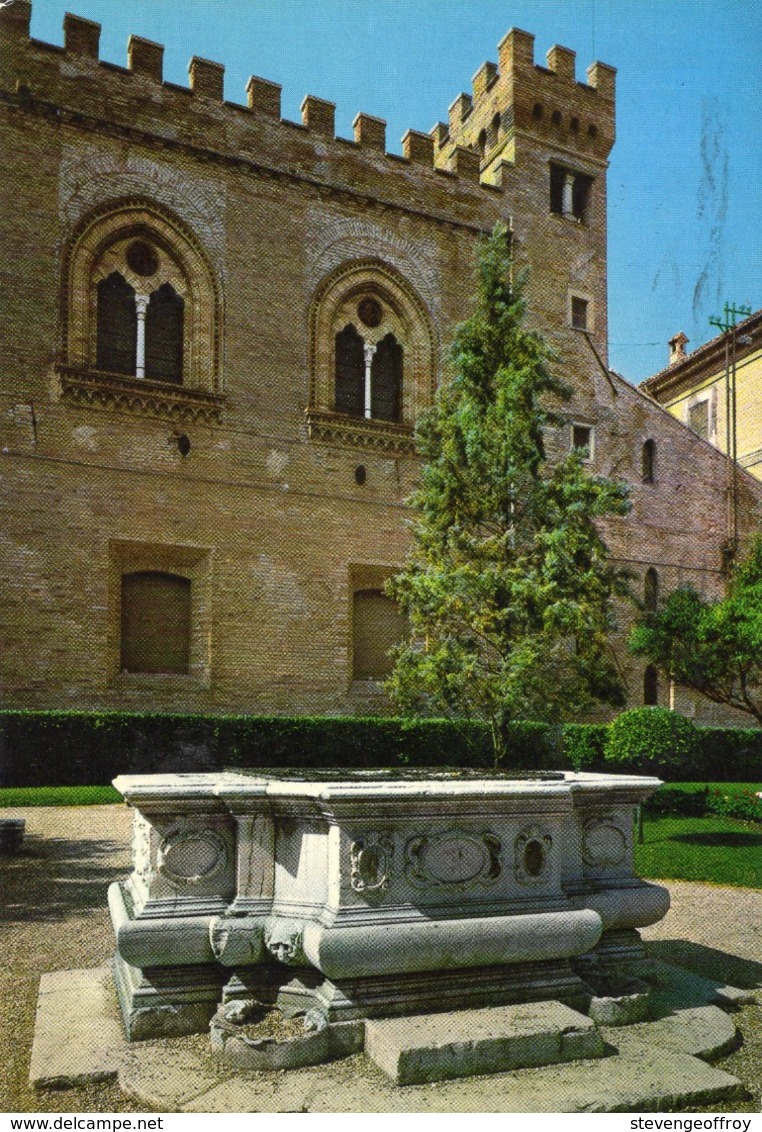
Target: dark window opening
[(350, 372), (579, 309), (649, 461), (582, 440), (164, 335), (537, 111), (570, 193), (556, 117), (117, 323), (496, 124), (650, 687), (386, 380), (481, 142), (155, 623), (651, 590), (377, 626)]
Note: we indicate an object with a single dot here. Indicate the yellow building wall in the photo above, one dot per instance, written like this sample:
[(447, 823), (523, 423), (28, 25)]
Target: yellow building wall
[(714, 390)]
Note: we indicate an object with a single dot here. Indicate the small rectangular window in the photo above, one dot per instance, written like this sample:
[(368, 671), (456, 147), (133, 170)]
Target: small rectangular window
[(582, 440), (698, 418), (579, 308)]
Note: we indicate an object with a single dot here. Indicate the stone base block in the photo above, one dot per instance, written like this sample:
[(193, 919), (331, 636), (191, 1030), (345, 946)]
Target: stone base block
[(426, 992), (164, 1002), (438, 1047)]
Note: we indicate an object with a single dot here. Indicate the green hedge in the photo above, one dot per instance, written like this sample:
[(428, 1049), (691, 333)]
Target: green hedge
[(90, 748), (685, 799)]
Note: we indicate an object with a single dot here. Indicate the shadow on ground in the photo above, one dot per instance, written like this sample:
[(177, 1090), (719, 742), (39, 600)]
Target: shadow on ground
[(730, 839), (74, 874), (709, 962)]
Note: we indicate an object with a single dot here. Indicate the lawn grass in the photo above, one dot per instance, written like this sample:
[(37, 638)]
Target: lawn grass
[(713, 849), (58, 796)]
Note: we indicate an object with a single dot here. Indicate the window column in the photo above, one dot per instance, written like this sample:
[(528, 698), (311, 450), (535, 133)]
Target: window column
[(141, 306)]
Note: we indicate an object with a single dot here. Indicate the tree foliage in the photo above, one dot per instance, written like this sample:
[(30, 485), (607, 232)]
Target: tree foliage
[(509, 585), (713, 647)]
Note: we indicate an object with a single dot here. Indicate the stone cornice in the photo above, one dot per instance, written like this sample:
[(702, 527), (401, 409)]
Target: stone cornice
[(357, 432), (95, 389)]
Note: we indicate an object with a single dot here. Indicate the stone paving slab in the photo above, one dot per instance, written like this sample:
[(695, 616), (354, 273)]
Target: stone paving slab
[(79, 1038), (640, 1080), (78, 1034), (701, 1031), (436, 1047)]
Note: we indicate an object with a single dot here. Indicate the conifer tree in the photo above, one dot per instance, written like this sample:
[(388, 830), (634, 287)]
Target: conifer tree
[(509, 588)]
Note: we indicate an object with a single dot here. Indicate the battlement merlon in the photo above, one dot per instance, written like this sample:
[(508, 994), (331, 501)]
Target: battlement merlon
[(517, 97)]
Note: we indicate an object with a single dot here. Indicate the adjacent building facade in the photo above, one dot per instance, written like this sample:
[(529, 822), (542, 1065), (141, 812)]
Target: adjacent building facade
[(220, 328), (717, 390)]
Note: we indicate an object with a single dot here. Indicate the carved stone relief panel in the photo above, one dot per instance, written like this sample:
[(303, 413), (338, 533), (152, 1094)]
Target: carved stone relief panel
[(604, 843), (370, 860), (190, 854), (452, 860), (532, 855)]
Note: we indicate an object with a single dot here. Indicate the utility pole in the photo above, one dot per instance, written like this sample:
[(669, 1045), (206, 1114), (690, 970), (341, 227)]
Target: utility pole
[(728, 327)]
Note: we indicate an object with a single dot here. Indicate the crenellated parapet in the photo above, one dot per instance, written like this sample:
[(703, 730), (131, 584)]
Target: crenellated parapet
[(513, 99), (73, 84)]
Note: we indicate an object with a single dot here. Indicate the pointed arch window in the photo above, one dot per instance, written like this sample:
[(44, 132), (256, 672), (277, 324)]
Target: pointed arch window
[(651, 590), (368, 375), (164, 335), (650, 687), (350, 372), (141, 302), (117, 323)]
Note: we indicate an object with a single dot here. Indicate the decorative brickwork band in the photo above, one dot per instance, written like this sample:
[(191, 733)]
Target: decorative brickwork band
[(135, 395)]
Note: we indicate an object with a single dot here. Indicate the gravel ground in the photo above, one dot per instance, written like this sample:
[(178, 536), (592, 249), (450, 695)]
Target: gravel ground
[(54, 916)]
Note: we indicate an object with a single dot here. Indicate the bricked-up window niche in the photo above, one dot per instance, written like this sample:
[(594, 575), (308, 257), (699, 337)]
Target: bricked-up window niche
[(155, 623), (377, 626), (372, 358), (141, 300), (570, 193)]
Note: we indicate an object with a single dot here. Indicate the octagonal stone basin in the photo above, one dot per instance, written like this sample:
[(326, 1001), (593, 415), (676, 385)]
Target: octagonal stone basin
[(369, 893)]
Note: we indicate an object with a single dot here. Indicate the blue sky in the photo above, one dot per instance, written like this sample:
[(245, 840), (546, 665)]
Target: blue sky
[(685, 182)]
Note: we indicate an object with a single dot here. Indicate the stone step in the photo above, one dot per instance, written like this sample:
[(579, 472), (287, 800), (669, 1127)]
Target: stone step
[(438, 1047)]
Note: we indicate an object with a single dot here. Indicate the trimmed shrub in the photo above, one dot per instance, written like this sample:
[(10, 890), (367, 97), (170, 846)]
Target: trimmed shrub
[(652, 739), (584, 745)]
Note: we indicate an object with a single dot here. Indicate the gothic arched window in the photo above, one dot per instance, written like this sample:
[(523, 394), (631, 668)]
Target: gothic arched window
[(651, 590), (350, 372), (141, 299), (117, 322), (164, 335), (372, 358)]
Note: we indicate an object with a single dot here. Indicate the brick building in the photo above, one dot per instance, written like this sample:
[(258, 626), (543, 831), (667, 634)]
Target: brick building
[(219, 329)]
